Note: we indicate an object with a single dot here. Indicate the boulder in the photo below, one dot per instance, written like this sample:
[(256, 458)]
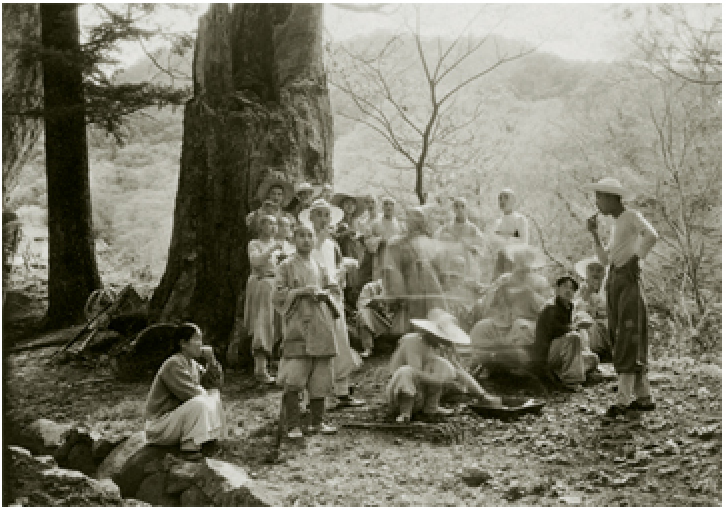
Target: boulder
[(80, 458), (181, 477), (114, 461), (132, 473), (194, 497), (42, 437), (102, 447), (475, 476), (229, 485), (152, 491)]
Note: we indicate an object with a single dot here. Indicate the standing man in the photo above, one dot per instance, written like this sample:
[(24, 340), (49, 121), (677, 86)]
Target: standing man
[(631, 240), (465, 240), (382, 230), (512, 228)]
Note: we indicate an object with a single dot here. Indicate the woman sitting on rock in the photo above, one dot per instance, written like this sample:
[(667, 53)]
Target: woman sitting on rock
[(179, 410)]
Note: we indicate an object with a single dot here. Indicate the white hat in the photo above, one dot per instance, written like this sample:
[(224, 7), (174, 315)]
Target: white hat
[(443, 325), (582, 265), (506, 191), (303, 186), (336, 213), (612, 186)]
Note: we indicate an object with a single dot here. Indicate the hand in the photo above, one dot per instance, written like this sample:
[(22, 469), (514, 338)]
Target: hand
[(592, 224), (208, 353)]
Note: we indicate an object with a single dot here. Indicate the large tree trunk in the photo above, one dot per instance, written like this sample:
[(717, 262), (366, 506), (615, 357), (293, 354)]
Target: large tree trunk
[(73, 273), (22, 89), (260, 105)]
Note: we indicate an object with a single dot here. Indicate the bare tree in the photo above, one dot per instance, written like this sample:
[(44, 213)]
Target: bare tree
[(423, 121)]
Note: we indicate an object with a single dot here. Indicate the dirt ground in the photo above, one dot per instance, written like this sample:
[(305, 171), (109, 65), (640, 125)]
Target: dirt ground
[(567, 455)]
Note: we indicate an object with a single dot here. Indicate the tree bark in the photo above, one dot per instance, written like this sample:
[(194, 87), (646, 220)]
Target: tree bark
[(22, 89), (73, 273), (260, 105)]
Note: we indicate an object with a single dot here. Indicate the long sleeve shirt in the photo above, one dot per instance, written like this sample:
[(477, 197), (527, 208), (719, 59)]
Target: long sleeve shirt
[(178, 380), (513, 225), (631, 235), (554, 321)]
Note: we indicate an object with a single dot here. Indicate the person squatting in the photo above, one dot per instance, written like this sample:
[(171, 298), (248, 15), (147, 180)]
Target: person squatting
[(459, 301)]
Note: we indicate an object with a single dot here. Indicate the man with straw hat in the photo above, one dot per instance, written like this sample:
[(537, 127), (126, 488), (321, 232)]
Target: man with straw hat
[(321, 215), (348, 237), (631, 240), (590, 298), (424, 366), (511, 306), (275, 194)]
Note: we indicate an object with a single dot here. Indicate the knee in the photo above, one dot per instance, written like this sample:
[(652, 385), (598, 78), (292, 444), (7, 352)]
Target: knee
[(198, 404)]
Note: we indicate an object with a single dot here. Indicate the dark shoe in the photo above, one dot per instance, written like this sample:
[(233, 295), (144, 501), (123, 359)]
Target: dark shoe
[(642, 406), (348, 401), (616, 410)]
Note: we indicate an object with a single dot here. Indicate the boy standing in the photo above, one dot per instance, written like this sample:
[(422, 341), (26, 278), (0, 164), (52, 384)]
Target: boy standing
[(309, 343), (512, 227), (631, 240)]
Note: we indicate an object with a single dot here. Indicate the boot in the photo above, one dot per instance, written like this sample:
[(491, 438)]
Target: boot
[(290, 400), (317, 410)]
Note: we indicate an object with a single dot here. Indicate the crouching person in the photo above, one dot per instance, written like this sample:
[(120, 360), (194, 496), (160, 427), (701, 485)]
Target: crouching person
[(179, 410), (309, 343), (421, 372), (560, 345)]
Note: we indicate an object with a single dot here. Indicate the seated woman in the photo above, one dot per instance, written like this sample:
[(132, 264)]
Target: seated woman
[(423, 368), (179, 410), (591, 300), (509, 312)]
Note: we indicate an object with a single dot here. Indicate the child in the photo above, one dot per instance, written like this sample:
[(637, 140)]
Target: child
[(631, 240), (309, 344), (373, 316), (558, 344), (591, 300)]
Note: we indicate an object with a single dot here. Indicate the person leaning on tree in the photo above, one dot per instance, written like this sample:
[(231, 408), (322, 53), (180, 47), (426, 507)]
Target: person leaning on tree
[(631, 240), (184, 406)]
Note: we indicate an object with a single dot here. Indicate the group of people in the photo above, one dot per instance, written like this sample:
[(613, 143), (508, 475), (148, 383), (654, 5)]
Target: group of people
[(324, 267)]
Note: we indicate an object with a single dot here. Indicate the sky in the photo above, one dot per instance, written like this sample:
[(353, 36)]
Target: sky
[(574, 31)]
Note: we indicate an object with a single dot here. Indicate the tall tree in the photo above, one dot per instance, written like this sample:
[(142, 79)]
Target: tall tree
[(73, 273), (260, 105)]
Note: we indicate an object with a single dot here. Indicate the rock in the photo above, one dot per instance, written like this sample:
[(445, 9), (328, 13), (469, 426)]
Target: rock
[(228, 485), (194, 497), (182, 476), (152, 491), (42, 437), (103, 446), (80, 458), (131, 475), (474, 476), (114, 461), (74, 436)]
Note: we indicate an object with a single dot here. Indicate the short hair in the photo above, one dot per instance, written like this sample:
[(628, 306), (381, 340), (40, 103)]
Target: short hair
[(567, 278), (185, 332)]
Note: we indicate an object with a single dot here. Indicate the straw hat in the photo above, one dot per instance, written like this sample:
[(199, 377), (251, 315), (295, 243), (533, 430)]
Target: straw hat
[(339, 198), (524, 255), (442, 325), (271, 181), (336, 213), (582, 265), (612, 186)]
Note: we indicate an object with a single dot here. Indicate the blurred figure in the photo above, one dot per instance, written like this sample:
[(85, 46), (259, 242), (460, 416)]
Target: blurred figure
[(511, 228), (511, 307), (303, 198), (374, 316), (275, 193), (590, 298), (349, 239), (381, 231), (410, 275), (463, 239)]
